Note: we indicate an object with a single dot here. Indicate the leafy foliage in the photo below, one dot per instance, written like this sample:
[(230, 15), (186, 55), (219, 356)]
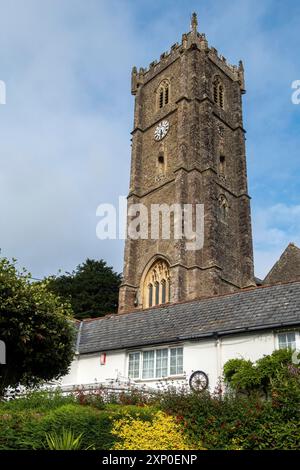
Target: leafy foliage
[(35, 327), (162, 433), (92, 289), (40, 401), (237, 422), (246, 376), (172, 418), (66, 440), (27, 428)]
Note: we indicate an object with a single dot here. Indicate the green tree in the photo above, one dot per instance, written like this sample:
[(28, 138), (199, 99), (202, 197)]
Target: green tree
[(36, 327), (92, 288)]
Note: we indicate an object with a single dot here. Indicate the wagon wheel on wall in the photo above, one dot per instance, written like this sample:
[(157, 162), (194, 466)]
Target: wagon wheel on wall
[(198, 381)]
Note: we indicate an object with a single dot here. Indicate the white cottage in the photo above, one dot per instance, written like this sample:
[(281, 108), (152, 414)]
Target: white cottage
[(174, 341)]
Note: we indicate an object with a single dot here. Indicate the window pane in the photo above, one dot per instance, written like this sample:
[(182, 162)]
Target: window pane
[(148, 364), (150, 295), (134, 365), (161, 363), (156, 293), (282, 340), (176, 361), (163, 292), (287, 340)]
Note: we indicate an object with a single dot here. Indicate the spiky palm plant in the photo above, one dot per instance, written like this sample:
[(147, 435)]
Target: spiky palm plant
[(64, 441)]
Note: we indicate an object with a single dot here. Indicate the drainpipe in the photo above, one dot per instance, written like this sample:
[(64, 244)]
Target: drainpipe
[(219, 359)]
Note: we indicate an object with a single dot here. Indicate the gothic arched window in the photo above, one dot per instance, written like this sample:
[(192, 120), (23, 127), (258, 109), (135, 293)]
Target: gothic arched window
[(163, 94), (156, 284), (218, 92), (223, 208)]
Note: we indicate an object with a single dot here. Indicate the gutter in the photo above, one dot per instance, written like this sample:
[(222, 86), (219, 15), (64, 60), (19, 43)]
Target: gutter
[(240, 330)]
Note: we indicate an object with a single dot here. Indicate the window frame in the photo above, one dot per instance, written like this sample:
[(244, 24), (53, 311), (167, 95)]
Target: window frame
[(141, 352), (286, 332), (132, 353)]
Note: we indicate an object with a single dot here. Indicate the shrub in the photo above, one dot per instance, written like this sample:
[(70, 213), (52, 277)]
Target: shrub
[(246, 376), (237, 422), (93, 424), (38, 400), (162, 433), (23, 427), (18, 429)]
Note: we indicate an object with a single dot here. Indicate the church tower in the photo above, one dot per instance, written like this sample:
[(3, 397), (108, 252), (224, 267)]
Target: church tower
[(188, 147)]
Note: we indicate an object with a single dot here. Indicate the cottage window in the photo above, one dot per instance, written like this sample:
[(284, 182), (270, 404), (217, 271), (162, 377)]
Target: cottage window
[(176, 361), (134, 365), (287, 340), (155, 363), (161, 363), (148, 364)]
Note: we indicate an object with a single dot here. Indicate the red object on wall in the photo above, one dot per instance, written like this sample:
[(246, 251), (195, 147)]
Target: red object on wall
[(103, 359)]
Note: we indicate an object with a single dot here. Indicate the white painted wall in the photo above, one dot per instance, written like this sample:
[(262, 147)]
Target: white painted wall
[(87, 369), (207, 355)]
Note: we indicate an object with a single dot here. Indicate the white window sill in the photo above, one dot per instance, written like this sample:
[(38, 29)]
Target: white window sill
[(161, 379)]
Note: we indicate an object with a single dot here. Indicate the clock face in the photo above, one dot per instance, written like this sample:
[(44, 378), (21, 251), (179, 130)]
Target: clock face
[(161, 130)]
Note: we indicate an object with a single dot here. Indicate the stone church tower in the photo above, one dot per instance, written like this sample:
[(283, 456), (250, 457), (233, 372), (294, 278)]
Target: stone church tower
[(188, 146)]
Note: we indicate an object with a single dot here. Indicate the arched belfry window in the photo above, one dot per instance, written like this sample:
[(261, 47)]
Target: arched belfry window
[(163, 94), (218, 92), (223, 208), (156, 284)]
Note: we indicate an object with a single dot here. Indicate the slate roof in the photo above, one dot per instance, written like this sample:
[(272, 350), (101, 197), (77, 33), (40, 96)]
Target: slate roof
[(255, 309)]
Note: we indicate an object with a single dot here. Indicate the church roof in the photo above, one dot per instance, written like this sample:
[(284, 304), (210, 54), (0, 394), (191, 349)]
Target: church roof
[(255, 309), (287, 268)]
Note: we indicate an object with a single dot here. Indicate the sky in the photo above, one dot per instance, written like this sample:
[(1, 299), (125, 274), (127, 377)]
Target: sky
[(65, 127)]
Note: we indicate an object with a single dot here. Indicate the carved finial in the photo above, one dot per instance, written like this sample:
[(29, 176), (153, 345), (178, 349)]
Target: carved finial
[(194, 23)]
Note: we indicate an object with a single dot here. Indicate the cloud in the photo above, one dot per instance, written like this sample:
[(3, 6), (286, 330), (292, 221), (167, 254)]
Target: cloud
[(274, 228), (65, 130)]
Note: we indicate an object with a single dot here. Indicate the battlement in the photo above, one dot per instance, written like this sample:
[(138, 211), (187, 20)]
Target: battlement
[(193, 39)]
